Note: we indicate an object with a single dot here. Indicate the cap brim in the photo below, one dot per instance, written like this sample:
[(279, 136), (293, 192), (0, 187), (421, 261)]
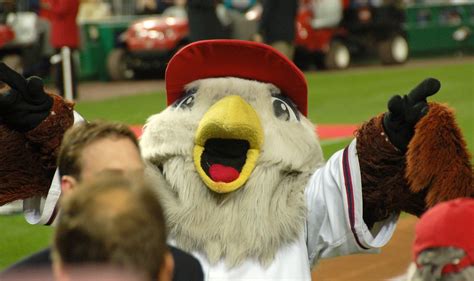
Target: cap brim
[(235, 58), (445, 225)]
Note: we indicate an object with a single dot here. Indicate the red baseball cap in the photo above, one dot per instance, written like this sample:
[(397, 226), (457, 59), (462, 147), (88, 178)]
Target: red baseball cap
[(448, 224), (235, 58)]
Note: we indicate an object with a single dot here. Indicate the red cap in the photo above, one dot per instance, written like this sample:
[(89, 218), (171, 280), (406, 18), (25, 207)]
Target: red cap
[(235, 58), (448, 224)]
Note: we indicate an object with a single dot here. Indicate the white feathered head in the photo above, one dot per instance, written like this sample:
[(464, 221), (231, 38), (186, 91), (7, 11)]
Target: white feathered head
[(233, 151)]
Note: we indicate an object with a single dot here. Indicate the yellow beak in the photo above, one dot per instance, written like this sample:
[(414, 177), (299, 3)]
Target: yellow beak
[(227, 144)]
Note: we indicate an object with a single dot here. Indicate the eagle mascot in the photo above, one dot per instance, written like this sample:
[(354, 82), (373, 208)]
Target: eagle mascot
[(239, 168)]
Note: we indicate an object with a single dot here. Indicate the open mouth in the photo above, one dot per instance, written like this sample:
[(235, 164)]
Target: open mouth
[(227, 144), (222, 159)]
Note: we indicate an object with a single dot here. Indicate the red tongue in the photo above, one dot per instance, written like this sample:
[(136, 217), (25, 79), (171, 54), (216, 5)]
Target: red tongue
[(221, 173)]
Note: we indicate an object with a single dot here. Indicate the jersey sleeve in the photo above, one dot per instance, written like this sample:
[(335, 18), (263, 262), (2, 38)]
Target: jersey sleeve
[(43, 210), (335, 224)]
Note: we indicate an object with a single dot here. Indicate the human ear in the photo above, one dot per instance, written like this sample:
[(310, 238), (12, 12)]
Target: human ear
[(67, 184), (167, 268)]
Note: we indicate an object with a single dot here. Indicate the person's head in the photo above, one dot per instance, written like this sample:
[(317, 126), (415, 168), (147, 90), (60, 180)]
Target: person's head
[(90, 148), (112, 221), (444, 242)]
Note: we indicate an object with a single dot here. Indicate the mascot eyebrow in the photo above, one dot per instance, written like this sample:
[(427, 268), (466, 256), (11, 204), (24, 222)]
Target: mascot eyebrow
[(187, 99)]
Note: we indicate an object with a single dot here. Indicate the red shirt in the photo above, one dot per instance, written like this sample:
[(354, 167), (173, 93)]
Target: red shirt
[(64, 29), (43, 12)]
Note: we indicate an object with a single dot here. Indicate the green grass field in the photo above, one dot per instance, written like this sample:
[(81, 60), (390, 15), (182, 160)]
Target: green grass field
[(335, 97)]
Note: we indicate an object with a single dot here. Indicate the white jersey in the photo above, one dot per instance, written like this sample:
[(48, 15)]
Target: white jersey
[(41, 210), (334, 224), (334, 227)]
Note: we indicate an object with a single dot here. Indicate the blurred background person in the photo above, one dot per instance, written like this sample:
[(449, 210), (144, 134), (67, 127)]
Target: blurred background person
[(111, 228), (162, 5), (203, 21), (35, 58), (444, 243), (94, 10), (240, 17), (64, 33), (6, 6), (277, 25), (145, 7)]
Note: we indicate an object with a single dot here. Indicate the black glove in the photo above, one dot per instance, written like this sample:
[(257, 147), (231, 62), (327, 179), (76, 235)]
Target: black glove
[(404, 112), (26, 104)]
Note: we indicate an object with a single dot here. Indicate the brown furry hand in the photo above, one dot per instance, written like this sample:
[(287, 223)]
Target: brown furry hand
[(438, 161)]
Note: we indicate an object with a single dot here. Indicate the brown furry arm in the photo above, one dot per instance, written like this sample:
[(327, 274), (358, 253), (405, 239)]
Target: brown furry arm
[(382, 166), (437, 166), (29, 160), (49, 133), (20, 175), (438, 161)]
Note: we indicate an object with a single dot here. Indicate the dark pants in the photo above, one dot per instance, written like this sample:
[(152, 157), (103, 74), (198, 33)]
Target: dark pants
[(59, 81)]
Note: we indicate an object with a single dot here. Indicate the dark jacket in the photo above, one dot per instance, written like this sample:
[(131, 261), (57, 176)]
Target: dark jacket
[(203, 21), (278, 20), (186, 267)]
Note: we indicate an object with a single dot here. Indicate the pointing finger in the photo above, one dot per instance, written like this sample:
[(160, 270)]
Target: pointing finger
[(12, 78), (428, 87)]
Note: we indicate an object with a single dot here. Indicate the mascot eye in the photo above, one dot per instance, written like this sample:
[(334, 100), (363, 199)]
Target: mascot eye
[(284, 109), (187, 101)]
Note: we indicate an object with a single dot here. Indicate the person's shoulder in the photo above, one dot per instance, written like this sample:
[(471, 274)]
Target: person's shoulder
[(184, 258), (187, 267), (38, 260)]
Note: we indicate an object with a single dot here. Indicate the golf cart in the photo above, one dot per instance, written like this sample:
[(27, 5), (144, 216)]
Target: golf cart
[(148, 44), (335, 31), (440, 27)]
